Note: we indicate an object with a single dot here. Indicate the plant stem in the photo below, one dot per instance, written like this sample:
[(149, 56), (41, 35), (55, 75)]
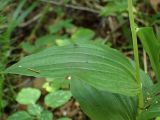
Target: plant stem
[(136, 56)]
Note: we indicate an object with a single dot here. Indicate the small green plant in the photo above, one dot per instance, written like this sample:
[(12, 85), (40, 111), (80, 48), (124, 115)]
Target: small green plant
[(29, 97), (107, 84), (54, 38), (114, 7)]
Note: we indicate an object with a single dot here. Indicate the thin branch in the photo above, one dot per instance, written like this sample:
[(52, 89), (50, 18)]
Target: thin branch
[(35, 18), (72, 6)]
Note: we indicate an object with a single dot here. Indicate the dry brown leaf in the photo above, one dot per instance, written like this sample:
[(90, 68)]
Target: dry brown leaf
[(155, 4)]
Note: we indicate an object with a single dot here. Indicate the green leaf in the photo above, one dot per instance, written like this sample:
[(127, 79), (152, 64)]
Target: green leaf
[(28, 96), (147, 85), (60, 25), (151, 46), (20, 116), (101, 105), (48, 87), (100, 66), (34, 109), (116, 6), (86, 33), (27, 47), (47, 40), (152, 112), (3, 103), (63, 42), (156, 89), (52, 85), (58, 98), (152, 104), (46, 115), (158, 118), (40, 43)]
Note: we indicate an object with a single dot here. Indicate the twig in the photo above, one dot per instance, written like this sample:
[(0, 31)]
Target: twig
[(72, 6), (30, 21), (28, 81), (140, 21), (25, 23)]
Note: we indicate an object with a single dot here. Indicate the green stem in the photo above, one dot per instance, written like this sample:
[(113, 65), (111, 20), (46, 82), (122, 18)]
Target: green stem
[(136, 56)]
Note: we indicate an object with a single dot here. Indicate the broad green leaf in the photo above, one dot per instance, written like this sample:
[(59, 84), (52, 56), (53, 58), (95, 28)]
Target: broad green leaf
[(101, 105), (28, 96), (57, 98), (46, 115), (20, 116), (100, 66), (34, 109), (151, 46)]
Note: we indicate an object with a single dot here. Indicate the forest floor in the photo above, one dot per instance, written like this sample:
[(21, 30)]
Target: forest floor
[(55, 21)]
